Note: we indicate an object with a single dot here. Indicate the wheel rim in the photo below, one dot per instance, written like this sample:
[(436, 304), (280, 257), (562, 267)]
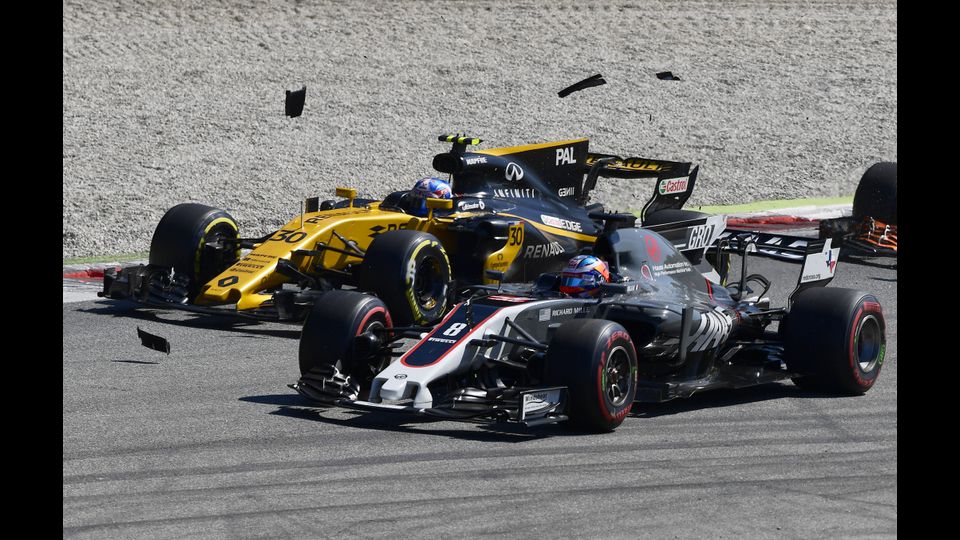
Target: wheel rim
[(214, 262), (869, 342), (617, 380), (427, 285)]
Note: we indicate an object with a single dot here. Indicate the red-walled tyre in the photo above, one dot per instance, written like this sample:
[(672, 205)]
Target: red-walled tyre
[(332, 365), (836, 339), (596, 360)]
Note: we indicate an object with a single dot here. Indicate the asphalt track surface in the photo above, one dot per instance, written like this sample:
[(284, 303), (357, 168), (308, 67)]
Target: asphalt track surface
[(209, 442)]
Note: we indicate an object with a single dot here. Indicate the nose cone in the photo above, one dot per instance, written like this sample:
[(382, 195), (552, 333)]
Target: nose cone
[(394, 388), (216, 295)]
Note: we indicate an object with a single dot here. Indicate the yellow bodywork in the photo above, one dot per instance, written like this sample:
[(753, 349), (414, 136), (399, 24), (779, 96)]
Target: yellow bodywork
[(241, 283)]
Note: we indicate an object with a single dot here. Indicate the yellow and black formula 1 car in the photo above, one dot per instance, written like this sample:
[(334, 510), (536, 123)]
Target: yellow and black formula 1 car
[(515, 212)]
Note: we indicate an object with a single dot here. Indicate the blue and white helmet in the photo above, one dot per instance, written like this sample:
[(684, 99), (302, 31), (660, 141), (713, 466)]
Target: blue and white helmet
[(429, 188), (583, 275)]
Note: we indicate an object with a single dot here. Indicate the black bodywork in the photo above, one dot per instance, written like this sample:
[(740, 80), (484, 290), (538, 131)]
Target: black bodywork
[(690, 333), (548, 188)]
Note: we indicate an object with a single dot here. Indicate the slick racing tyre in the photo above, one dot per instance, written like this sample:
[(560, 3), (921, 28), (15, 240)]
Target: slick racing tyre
[(410, 271), (596, 360), (876, 195), (189, 239), (670, 215), (334, 364), (835, 338)]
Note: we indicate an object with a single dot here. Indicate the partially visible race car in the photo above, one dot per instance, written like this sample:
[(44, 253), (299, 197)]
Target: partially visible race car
[(519, 210), (660, 330), (870, 232)]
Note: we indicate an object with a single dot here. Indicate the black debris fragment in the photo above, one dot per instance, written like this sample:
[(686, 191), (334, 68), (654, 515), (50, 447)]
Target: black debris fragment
[(151, 341), (294, 103), (668, 76), (595, 80)]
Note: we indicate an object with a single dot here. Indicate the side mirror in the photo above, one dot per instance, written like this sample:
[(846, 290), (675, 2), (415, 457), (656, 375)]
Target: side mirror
[(347, 193), (495, 275), (445, 204), (441, 204)]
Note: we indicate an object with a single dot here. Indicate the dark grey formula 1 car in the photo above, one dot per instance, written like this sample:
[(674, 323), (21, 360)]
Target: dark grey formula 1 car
[(659, 330)]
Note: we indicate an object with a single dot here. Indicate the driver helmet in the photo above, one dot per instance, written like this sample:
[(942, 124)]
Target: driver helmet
[(428, 188), (583, 275)]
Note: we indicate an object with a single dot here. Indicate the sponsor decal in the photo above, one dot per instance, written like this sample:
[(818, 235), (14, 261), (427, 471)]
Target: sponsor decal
[(631, 164), (377, 229), (567, 191), (329, 214), (544, 314), (670, 269), (560, 223), (519, 193), (670, 186), (653, 248), (441, 340), (471, 205), (820, 266), (565, 156), (645, 272), (227, 281), (699, 236), (474, 161), (567, 311), (540, 401), (499, 266), (542, 251), (712, 331), (513, 172), (400, 376)]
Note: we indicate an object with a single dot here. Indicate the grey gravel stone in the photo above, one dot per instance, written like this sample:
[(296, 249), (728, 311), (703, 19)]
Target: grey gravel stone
[(168, 102)]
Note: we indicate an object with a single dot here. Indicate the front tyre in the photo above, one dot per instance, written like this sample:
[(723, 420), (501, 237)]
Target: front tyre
[(597, 362), (410, 271), (332, 365), (197, 241), (836, 339)]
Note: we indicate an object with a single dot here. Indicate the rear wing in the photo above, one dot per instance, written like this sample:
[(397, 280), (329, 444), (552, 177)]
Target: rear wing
[(818, 256), (673, 187), (548, 170), (556, 169)]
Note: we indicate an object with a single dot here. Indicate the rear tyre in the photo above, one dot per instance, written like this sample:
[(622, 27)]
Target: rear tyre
[(190, 239), (670, 215), (331, 364), (836, 339), (596, 360), (876, 195), (410, 271)]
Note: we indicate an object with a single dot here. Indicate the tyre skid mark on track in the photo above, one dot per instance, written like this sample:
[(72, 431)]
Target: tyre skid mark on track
[(350, 433), (458, 456), (729, 466), (627, 490)]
